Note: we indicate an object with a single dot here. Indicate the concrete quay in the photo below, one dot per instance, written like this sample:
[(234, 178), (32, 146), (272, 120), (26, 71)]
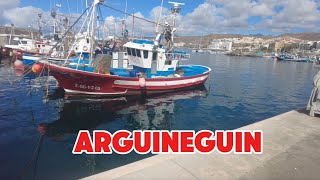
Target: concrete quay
[(291, 150)]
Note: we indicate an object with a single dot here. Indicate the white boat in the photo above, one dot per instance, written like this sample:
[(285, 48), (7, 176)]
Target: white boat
[(25, 45), (292, 58)]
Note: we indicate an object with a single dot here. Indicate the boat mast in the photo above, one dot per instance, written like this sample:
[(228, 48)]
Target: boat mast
[(39, 23), (93, 27), (175, 11), (87, 7), (11, 33), (157, 26)]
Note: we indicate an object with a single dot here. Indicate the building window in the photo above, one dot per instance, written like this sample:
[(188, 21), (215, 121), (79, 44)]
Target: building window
[(138, 52), (133, 52), (145, 54)]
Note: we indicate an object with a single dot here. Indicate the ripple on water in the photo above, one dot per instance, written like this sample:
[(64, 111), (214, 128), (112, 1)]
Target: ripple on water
[(240, 91)]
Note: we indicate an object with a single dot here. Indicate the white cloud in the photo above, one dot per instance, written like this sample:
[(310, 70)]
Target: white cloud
[(23, 17), (211, 16), (296, 14), (232, 16), (4, 5)]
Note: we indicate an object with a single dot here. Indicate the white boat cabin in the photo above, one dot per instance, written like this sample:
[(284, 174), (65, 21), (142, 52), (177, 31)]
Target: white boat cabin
[(30, 45), (152, 60)]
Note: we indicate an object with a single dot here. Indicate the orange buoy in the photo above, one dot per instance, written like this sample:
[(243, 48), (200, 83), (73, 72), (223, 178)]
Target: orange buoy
[(36, 68)]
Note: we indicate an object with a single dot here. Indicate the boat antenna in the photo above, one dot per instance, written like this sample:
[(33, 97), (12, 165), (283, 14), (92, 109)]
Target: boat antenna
[(39, 23), (125, 10), (175, 10), (67, 31)]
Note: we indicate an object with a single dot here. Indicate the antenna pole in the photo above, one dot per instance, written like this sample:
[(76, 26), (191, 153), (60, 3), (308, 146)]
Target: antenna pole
[(175, 11)]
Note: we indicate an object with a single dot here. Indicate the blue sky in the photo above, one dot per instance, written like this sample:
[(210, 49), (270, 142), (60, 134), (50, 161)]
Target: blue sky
[(143, 6), (198, 17)]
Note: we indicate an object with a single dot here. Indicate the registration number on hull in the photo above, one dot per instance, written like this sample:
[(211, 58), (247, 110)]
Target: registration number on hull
[(89, 87)]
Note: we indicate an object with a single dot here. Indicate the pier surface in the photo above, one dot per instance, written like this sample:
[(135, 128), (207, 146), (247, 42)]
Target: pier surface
[(291, 146)]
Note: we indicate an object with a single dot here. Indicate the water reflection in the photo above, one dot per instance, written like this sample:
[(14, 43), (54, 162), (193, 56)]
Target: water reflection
[(137, 112), (244, 91)]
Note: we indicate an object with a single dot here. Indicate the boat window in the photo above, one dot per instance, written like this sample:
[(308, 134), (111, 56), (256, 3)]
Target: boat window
[(138, 52), (88, 40), (133, 52), (43, 45), (38, 45), (129, 51), (24, 42), (154, 56), (145, 54)]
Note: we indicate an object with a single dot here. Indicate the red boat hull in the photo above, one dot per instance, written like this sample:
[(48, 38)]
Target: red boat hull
[(88, 83)]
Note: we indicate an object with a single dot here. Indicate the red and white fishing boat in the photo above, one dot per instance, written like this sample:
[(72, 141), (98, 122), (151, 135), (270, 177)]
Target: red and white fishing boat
[(156, 69)]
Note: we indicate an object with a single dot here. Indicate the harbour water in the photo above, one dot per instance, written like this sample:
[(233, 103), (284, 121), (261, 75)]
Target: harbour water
[(37, 132)]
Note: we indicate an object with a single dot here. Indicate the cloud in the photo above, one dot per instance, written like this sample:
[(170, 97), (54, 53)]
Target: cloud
[(296, 14), (211, 16), (23, 17), (136, 26), (10, 12), (225, 16), (4, 5)]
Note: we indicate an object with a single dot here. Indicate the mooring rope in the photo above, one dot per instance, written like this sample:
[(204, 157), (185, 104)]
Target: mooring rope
[(35, 155)]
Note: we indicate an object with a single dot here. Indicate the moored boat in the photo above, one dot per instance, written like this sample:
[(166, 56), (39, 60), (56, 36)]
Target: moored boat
[(292, 58), (155, 69)]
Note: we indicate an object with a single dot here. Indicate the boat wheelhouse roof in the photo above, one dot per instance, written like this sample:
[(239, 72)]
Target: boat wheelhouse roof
[(142, 41)]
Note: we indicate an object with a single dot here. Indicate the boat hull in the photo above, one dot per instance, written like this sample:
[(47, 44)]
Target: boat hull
[(88, 83)]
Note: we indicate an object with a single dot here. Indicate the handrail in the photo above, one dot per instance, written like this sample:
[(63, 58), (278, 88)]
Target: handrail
[(177, 56)]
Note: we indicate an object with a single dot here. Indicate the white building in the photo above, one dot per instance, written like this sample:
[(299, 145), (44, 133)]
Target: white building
[(179, 44), (220, 46)]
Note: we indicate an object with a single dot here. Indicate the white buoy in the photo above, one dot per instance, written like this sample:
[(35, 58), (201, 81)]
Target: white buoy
[(142, 82)]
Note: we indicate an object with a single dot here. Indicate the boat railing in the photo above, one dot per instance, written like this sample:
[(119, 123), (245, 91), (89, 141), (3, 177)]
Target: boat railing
[(177, 56)]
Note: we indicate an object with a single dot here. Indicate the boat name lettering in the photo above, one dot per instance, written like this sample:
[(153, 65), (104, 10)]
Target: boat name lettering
[(90, 87)]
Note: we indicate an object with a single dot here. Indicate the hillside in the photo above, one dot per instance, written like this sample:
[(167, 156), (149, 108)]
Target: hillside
[(310, 36), (205, 40)]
